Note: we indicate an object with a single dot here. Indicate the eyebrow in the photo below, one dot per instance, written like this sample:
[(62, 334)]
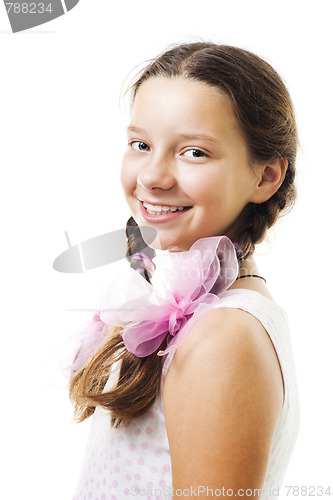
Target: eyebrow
[(203, 137), (194, 136)]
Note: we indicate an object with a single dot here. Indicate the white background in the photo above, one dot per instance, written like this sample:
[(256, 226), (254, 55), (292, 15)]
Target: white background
[(62, 139)]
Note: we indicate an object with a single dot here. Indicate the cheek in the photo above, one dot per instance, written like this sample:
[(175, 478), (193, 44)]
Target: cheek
[(128, 177), (207, 190), (214, 195)]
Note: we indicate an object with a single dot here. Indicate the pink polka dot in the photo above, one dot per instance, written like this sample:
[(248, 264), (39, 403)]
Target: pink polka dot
[(159, 498), (90, 494), (113, 497), (97, 486), (141, 460), (120, 439), (144, 445), (128, 461), (104, 481), (127, 492), (149, 430), (128, 477), (158, 453), (92, 479), (166, 467), (150, 484), (115, 484), (162, 483), (151, 414), (103, 497), (137, 476), (153, 468), (132, 447), (137, 431), (117, 454), (117, 468)]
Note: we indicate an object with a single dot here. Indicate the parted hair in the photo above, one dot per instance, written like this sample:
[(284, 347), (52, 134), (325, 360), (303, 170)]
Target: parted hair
[(265, 115)]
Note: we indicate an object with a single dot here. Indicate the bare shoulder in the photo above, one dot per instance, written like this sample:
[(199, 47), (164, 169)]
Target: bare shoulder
[(225, 332), (222, 396)]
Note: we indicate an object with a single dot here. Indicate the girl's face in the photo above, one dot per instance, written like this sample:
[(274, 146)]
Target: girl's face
[(185, 150)]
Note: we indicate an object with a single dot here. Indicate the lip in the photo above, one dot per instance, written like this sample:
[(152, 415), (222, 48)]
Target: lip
[(161, 218)]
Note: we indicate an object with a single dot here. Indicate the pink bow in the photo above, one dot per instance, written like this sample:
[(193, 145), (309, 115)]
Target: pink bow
[(184, 286)]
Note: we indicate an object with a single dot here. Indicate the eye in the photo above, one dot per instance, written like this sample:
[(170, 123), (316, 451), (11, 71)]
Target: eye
[(139, 146), (194, 153)]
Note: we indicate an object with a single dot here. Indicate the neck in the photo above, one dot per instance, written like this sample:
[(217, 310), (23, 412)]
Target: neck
[(248, 266)]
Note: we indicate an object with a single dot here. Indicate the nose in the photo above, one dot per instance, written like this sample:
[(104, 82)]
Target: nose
[(158, 173)]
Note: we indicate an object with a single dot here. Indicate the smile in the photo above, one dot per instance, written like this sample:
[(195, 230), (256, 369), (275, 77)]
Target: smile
[(160, 209), (161, 213)]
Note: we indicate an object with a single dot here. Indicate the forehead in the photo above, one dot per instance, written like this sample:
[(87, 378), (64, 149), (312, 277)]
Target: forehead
[(182, 102)]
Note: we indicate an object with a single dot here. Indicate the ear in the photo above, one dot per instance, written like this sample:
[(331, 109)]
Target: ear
[(270, 178)]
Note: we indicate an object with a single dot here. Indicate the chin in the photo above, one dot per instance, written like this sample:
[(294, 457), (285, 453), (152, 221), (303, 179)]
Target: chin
[(166, 245)]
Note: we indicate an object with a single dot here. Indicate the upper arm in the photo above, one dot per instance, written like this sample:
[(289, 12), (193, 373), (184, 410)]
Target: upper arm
[(222, 398)]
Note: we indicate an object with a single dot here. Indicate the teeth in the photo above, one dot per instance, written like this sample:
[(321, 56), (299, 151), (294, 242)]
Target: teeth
[(160, 209)]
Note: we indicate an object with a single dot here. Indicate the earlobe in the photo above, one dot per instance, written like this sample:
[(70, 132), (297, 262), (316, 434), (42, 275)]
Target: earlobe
[(271, 177)]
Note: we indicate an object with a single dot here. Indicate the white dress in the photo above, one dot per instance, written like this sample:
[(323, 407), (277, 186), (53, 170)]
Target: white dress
[(135, 460)]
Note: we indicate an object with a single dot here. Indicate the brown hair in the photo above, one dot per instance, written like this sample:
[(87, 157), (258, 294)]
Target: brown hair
[(264, 110)]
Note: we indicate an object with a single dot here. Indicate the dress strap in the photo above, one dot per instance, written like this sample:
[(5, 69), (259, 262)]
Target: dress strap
[(166, 364)]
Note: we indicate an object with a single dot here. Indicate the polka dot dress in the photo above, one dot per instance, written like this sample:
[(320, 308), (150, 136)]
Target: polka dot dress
[(134, 461), (127, 462)]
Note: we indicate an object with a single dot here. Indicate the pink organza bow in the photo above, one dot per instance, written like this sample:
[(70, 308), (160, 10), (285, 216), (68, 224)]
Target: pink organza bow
[(184, 286)]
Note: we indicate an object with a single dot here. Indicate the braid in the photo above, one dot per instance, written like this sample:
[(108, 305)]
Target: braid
[(137, 250), (260, 218), (139, 378)]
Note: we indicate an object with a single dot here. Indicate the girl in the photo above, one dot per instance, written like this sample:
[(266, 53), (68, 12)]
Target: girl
[(188, 365)]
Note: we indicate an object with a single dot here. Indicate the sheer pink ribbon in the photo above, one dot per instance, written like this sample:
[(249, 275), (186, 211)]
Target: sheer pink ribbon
[(184, 286), (80, 345)]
